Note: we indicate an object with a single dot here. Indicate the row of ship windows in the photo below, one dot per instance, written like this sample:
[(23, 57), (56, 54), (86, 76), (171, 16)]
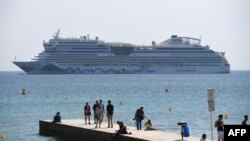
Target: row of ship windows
[(89, 47), (75, 47), (181, 48), (168, 55), (74, 42), (133, 54), (97, 48), (149, 62), (129, 59), (189, 55), (175, 51), (78, 47), (56, 48), (118, 47), (101, 50), (136, 65), (89, 56), (72, 52), (142, 61), (111, 57)]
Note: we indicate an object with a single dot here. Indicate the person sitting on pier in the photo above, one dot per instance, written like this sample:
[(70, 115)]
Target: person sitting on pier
[(122, 130), (57, 118), (148, 125)]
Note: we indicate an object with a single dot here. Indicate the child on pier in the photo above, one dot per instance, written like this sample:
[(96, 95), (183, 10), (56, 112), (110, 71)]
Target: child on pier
[(148, 125)]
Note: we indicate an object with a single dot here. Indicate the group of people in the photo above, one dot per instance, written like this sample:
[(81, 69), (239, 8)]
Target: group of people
[(219, 124), (99, 111)]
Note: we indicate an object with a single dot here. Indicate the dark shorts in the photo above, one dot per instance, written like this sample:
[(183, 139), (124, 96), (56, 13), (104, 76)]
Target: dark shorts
[(88, 114)]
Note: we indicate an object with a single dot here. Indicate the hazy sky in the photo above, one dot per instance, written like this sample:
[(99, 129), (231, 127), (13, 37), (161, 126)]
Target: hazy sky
[(222, 24)]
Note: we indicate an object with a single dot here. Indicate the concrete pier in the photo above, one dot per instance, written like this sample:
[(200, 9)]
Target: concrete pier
[(76, 130)]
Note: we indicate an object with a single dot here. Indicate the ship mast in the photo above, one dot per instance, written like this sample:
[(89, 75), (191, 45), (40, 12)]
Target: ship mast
[(56, 36)]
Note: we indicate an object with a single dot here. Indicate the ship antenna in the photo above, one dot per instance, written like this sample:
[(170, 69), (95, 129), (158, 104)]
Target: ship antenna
[(200, 39), (57, 34)]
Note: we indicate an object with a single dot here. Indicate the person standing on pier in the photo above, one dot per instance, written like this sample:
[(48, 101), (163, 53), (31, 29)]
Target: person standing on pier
[(220, 128), (244, 122), (110, 111), (139, 116), (94, 109), (87, 113), (98, 115), (103, 109)]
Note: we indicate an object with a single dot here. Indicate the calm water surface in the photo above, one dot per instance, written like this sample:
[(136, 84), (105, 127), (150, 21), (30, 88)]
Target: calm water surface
[(187, 99)]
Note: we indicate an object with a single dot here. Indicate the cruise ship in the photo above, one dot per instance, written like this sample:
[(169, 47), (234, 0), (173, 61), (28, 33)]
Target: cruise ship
[(177, 55)]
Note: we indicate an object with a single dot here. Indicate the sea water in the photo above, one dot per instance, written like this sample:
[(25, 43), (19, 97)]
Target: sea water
[(185, 100)]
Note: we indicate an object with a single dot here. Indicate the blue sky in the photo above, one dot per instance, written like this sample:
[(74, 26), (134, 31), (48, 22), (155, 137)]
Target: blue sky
[(222, 24)]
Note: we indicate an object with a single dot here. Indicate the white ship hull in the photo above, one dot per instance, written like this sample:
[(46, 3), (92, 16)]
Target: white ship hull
[(39, 68)]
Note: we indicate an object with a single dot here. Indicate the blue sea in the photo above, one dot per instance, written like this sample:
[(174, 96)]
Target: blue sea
[(185, 101)]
